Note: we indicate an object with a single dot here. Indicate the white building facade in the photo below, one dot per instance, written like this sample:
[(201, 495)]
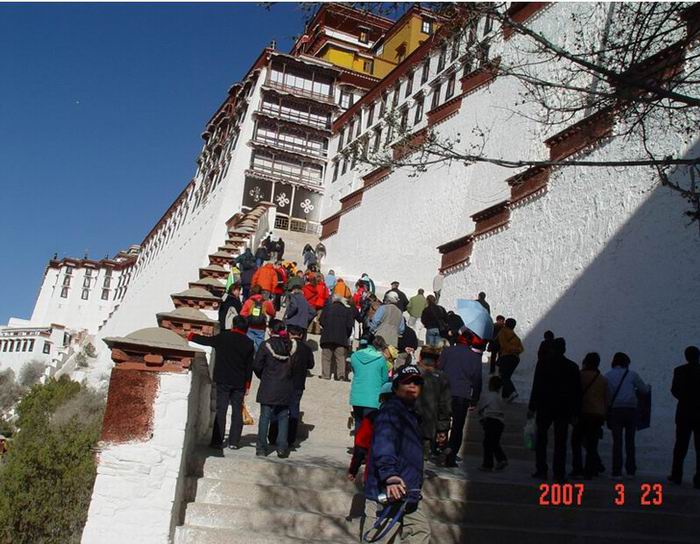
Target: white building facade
[(22, 343), (82, 293), (601, 256)]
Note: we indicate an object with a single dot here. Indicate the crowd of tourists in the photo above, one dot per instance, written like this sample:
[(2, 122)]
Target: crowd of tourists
[(410, 399)]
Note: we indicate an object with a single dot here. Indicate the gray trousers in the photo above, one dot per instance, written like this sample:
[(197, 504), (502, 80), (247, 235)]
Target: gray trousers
[(333, 359), (413, 528)]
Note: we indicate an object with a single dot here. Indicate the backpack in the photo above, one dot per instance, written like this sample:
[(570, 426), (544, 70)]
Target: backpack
[(257, 315)]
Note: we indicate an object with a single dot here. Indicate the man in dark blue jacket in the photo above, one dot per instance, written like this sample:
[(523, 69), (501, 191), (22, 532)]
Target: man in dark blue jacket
[(395, 466), (462, 365)]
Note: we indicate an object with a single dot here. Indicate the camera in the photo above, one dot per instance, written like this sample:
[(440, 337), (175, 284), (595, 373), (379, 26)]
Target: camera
[(383, 498)]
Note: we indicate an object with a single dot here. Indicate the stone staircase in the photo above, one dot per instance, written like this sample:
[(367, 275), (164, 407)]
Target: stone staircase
[(236, 497), (294, 243)]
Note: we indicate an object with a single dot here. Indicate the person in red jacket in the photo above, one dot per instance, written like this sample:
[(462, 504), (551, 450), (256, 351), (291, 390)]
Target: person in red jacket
[(363, 437), (278, 291), (257, 309), (310, 291), (266, 278), (322, 292)]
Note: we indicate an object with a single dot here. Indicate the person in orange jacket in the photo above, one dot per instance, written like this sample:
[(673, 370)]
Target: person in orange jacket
[(266, 278), (341, 289)]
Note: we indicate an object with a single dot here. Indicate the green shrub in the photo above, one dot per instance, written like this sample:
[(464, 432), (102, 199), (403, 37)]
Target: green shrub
[(46, 482)]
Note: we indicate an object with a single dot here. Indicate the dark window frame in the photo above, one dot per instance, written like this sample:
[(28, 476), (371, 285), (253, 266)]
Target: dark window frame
[(426, 72), (450, 91), (420, 102), (435, 100)]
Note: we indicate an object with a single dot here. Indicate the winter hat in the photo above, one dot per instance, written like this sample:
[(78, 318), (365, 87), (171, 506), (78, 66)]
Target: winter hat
[(392, 296), (407, 374), (393, 352)]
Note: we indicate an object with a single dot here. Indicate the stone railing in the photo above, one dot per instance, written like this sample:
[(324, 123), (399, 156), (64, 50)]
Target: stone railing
[(159, 408)]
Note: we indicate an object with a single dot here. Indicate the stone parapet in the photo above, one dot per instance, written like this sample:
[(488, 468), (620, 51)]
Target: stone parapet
[(196, 297), (184, 320), (151, 404)]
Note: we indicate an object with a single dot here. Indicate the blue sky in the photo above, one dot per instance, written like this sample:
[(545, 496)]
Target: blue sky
[(101, 108)]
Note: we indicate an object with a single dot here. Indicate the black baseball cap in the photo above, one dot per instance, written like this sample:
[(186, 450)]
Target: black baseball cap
[(408, 374)]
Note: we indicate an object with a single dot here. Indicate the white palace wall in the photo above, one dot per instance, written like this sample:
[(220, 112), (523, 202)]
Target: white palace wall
[(605, 259), (401, 221)]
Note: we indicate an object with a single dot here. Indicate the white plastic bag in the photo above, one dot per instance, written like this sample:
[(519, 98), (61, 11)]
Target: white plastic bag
[(529, 434)]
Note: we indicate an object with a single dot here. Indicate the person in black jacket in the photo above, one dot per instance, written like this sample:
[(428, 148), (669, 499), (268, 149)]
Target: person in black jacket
[(233, 371), (686, 388), (273, 366), (337, 323), (261, 255), (403, 299), (555, 399), (434, 319), (247, 279), (231, 301), (302, 362), (280, 249), (408, 344), (454, 325), (434, 405)]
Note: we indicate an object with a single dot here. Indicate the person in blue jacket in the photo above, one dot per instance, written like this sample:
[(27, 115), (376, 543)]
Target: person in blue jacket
[(395, 466)]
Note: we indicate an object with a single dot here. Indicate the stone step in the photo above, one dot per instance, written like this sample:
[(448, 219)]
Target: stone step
[(303, 524), (192, 534), (469, 534), (513, 485), (479, 506)]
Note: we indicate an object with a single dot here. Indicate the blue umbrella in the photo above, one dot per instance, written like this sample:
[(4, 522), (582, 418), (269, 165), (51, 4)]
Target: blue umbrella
[(475, 318)]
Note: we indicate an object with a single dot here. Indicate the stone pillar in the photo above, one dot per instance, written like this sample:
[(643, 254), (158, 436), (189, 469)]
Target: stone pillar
[(151, 422)]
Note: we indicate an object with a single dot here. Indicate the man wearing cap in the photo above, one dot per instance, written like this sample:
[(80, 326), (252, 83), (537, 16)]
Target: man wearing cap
[(395, 465), (403, 299)]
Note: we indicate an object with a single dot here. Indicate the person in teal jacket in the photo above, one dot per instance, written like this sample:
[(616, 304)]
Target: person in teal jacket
[(369, 373)]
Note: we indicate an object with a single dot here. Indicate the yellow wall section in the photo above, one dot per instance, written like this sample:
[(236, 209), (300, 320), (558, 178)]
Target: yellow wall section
[(410, 34), (345, 59)]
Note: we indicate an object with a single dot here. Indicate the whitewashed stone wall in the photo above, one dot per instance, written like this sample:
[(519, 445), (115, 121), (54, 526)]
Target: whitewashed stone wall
[(139, 490), (605, 259)]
